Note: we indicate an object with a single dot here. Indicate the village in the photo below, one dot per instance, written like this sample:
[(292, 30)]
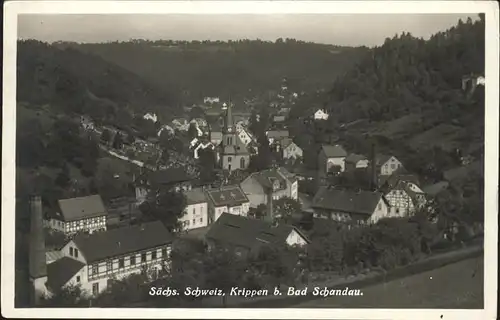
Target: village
[(226, 200)]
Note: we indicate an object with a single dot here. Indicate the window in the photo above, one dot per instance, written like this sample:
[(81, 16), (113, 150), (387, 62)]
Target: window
[(132, 260), (194, 211), (77, 278), (242, 162), (143, 257), (109, 265), (95, 269), (201, 220), (194, 222), (164, 252), (153, 255), (397, 210), (379, 206), (95, 289), (393, 166), (229, 159), (76, 253), (70, 251), (121, 263)]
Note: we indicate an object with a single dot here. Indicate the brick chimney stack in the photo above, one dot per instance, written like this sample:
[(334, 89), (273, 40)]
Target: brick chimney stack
[(37, 259)]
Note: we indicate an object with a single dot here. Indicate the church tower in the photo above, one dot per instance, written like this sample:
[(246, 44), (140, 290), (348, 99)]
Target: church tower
[(37, 260), (234, 153)]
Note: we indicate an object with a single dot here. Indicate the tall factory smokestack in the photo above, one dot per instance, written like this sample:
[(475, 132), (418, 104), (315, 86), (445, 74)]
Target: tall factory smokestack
[(270, 215), (37, 260), (373, 174)]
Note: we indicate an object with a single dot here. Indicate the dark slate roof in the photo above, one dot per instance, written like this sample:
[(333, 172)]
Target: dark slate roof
[(238, 148), (231, 196), (102, 245), (380, 159), (276, 134), (267, 178), (82, 207), (195, 195), (285, 142), (335, 151), (349, 201), (168, 176), (249, 233), (354, 158), (287, 174), (401, 175), (61, 271)]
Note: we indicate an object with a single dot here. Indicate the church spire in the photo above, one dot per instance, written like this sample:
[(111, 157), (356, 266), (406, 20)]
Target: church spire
[(229, 117)]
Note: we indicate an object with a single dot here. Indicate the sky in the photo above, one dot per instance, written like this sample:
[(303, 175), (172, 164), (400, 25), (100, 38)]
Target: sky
[(339, 29)]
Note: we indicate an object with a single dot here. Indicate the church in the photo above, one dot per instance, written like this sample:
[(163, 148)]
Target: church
[(233, 154)]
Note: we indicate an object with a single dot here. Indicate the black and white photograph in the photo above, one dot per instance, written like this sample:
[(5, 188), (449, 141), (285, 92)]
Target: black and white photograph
[(243, 159)]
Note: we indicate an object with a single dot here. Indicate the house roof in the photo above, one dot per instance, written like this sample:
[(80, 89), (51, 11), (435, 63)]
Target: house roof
[(287, 174), (277, 134), (61, 271), (268, 178), (239, 148), (168, 176), (249, 233), (354, 158), (400, 175), (381, 159), (335, 151), (195, 195), (279, 118), (230, 196), (53, 255), (82, 207), (115, 242), (349, 201)]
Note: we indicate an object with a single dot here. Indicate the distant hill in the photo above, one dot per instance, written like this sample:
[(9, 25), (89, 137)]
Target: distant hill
[(237, 68), (73, 81), (409, 91)]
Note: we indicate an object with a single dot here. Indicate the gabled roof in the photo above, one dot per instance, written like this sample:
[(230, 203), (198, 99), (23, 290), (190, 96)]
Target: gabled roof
[(248, 232), (335, 151), (400, 175), (238, 148), (195, 195), (348, 201), (269, 178), (82, 207), (277, 134), (231, 196), (61, 271), (354, 158), (381, 159), (115, 242)]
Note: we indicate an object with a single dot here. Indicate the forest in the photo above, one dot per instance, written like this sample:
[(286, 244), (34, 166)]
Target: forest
[(239, 69), (405, 97)]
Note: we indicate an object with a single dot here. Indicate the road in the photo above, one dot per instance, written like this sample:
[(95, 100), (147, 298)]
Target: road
[(458, 285)]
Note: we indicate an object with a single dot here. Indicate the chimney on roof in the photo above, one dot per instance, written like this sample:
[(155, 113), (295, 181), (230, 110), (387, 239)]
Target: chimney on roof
[(37, 260)]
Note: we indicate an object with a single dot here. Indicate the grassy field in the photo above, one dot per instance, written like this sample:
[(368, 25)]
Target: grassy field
[(453, 286)]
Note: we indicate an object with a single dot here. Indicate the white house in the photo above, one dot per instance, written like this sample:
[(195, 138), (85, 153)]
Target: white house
[(386, 165), (362, 207), (92, 260), (151, 116), (356, 161), (245, 136), (196, 212), (321, 114), (86, 214), (230, 199), (290, 150), (211, 100), (271, 184), (331, 156)]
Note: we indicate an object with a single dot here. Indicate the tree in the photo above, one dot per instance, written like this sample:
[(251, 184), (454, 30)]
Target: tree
[(192, 130), (123, 292), (167, 205), (118, 141), (259, 212), (63, 179), (68, 296), (106, 136), (286, 208), (223, 269), (207, 161)]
